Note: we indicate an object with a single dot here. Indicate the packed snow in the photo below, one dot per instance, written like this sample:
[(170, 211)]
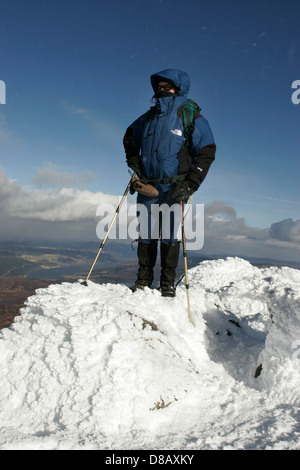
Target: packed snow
[(100, 367)]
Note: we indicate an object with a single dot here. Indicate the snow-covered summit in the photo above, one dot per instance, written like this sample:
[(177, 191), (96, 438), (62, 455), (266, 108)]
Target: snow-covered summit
[(99, 367)]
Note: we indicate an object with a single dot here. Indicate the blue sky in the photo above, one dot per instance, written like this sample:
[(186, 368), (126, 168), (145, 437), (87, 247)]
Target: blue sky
[(77, 74)]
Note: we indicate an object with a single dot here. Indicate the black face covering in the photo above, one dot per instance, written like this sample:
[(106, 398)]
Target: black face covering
[(164, 90)]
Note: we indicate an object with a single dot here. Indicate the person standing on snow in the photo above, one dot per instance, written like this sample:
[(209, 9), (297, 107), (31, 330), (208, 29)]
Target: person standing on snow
[(156, 149)]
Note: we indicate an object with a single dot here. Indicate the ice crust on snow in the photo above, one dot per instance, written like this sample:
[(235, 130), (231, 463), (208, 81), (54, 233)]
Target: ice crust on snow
[(99, 367)]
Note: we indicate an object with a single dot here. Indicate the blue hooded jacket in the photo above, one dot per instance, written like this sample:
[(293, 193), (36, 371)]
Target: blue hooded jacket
[(159, 140)]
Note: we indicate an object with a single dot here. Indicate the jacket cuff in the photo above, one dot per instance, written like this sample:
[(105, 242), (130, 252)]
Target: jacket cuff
[(194, 178)]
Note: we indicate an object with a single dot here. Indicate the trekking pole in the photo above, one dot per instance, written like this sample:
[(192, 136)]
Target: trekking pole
[(185, 264), (108, 230)]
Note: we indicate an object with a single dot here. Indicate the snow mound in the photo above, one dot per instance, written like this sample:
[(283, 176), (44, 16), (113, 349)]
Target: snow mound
[(100, 367)]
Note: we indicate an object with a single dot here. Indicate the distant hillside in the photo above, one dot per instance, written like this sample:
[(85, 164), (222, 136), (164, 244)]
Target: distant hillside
[(24, 267), (13, 293)]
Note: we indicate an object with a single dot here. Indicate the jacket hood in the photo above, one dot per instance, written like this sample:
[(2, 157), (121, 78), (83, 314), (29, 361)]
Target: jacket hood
[(180, 79)]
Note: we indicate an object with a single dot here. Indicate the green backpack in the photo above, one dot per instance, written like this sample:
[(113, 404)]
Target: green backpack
[(188, 112)]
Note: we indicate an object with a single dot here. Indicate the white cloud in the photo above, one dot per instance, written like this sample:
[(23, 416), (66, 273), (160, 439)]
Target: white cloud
[(70, 214), (227, 234), (287, 230), (75, 109), (66, 204), (51, 176), (221, 221)]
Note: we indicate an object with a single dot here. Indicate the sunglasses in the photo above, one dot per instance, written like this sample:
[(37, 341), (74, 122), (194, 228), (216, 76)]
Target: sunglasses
[(166, 87)]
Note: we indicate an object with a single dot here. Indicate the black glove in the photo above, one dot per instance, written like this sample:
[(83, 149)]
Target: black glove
[(134, 163), (182, 190)]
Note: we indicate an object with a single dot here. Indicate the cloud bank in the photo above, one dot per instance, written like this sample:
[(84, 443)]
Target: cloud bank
[(70, 214), (65, 213), (226, 233), (51, 176)]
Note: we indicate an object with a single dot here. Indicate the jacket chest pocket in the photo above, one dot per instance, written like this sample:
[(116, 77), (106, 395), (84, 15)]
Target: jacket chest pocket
[(162, 138), (170, 145), (152, 138)]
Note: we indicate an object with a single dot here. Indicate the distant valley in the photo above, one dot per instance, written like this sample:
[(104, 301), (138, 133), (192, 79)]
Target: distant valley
[(25, 267)]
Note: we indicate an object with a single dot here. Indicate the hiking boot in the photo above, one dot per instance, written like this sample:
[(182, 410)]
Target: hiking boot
[(169, 261), (168, 290), (147, 253), (139, 285)]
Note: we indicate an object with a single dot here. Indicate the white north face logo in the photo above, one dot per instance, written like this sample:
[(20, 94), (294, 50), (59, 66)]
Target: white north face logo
[(176, 131)]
